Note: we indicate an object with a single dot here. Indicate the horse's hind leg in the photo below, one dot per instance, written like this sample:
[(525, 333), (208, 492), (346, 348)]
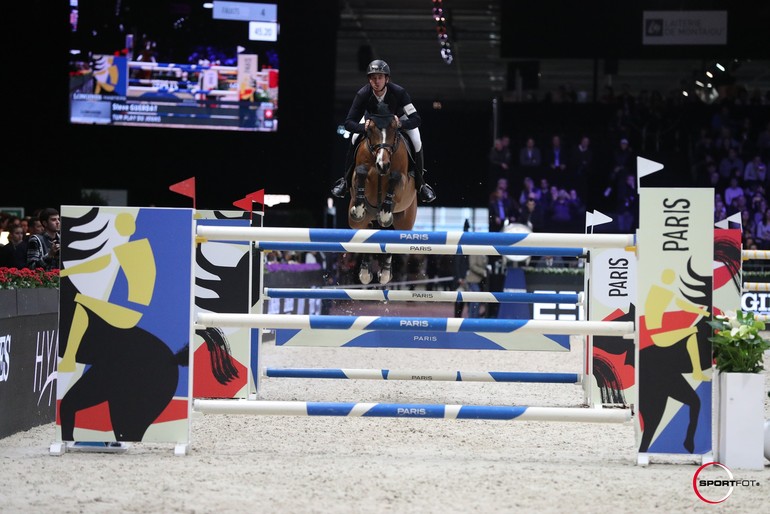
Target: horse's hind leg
[(358, 210), (88, 391), (683, 392)]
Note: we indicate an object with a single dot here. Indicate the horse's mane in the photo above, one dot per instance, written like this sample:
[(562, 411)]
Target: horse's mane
[(383, 116)]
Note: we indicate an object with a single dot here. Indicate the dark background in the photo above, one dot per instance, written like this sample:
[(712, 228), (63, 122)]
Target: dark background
[(48, 161), (53, 160), (610, 29)]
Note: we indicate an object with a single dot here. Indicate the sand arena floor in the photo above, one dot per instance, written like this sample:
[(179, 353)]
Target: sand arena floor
[(321, 465)]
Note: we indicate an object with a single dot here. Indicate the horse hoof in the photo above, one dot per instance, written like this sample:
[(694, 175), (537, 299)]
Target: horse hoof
[(385, 276), (385, 219), (357, 212), (365, 276)]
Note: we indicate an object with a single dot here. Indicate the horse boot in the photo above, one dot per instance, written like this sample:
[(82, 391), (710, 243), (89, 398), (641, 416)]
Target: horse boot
[(424, 192), (341, 186)]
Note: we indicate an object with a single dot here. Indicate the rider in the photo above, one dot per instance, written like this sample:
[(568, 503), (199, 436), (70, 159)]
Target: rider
[(380, 89)]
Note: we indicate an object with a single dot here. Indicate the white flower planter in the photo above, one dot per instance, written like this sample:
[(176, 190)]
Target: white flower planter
[(741, 443), (767, 439)]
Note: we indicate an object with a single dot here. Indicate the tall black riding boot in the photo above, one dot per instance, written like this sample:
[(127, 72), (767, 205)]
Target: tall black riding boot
[(341, 186), (424, 192)]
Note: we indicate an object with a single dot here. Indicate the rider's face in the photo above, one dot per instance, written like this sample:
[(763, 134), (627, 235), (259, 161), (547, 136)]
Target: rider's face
[(378, 81)]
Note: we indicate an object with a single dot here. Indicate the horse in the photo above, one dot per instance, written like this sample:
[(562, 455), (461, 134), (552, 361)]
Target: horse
[(661, 371), (115, 355), (382, 192)]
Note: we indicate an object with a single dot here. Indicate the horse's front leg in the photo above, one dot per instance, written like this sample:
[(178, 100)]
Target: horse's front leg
[(364, 273), (358, 210), (385, 216), (386, 270)]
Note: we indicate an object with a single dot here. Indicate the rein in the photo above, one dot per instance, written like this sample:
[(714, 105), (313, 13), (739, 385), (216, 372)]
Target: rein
[(390, 148)]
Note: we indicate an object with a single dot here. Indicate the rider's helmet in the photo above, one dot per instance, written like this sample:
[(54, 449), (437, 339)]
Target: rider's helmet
[(378, 66)]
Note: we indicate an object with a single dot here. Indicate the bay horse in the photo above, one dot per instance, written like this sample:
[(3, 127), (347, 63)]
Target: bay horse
[(382, 192)]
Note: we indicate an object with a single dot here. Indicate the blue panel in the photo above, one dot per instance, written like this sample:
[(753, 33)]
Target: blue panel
[(515, 281), (670, 439), (545, 378), (491, 325), (490, 412), (390, 410), (304, 373), (430, 340)]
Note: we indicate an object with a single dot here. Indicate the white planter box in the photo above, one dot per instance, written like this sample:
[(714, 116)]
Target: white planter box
[(741, 420)]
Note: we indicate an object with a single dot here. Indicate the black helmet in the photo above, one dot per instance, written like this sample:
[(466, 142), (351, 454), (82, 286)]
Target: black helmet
[(378, 66)]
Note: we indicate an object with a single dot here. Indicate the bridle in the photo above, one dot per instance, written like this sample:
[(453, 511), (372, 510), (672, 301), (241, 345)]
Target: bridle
[(390, 148)]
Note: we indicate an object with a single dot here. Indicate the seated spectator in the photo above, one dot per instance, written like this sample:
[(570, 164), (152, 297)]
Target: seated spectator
[(499, 161), (14, 254), (747, 221), (565, 212), (628, 205), (502, 210), (758, 209), (43, 249), (733, 191), (755, 171), (528, 188), (529, 155), (762, 232), (555, 158), (7, 222), (731, 165), (34, 226), (533, 214)]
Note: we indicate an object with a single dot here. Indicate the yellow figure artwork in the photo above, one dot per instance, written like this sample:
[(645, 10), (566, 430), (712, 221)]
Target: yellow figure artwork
[(106, 74), (136, 260), (658, 300)]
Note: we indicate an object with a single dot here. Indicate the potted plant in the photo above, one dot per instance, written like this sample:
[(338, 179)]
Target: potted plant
[(738, 356)]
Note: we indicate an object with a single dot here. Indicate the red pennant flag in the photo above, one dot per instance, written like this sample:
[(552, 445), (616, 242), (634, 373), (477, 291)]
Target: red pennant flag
[(258, 196), (247, 203), (186, 188), (244, 203)]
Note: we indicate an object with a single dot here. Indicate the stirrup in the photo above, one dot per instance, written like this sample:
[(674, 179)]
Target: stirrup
[(426, 194), (340, 188)]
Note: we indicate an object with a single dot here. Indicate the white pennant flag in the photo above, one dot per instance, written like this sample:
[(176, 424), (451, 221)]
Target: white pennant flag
[(600, 218), (645, 167), (725, 223)]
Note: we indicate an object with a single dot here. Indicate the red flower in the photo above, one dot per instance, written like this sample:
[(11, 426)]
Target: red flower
[(24, 278)]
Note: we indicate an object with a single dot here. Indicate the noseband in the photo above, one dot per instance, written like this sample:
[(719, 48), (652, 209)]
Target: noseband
[(390, 148)]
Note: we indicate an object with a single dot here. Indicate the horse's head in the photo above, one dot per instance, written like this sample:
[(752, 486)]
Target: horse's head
[(382, 138)]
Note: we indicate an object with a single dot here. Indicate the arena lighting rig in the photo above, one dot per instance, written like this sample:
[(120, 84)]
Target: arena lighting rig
[(441, 30)]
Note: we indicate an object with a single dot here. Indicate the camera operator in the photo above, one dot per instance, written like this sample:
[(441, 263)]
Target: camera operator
[(43, 249)]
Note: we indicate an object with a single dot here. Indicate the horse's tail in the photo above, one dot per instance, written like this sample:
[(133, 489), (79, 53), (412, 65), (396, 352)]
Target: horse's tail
[(221, 362), (608, 381)]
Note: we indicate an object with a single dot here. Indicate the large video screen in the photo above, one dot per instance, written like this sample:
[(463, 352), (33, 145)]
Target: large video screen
[(174, 63)]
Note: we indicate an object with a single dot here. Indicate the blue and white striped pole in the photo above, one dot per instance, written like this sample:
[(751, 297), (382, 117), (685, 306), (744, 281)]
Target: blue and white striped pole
[(411, 410), (384, 295), (318, 235), (425, 375), (321, 322), (435, 249)]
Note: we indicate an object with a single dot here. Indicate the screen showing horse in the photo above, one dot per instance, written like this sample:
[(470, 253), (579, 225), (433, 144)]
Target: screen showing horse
[(179, 64)]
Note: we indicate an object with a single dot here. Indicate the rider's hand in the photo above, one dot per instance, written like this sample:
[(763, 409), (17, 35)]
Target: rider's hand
[(398, 121)]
